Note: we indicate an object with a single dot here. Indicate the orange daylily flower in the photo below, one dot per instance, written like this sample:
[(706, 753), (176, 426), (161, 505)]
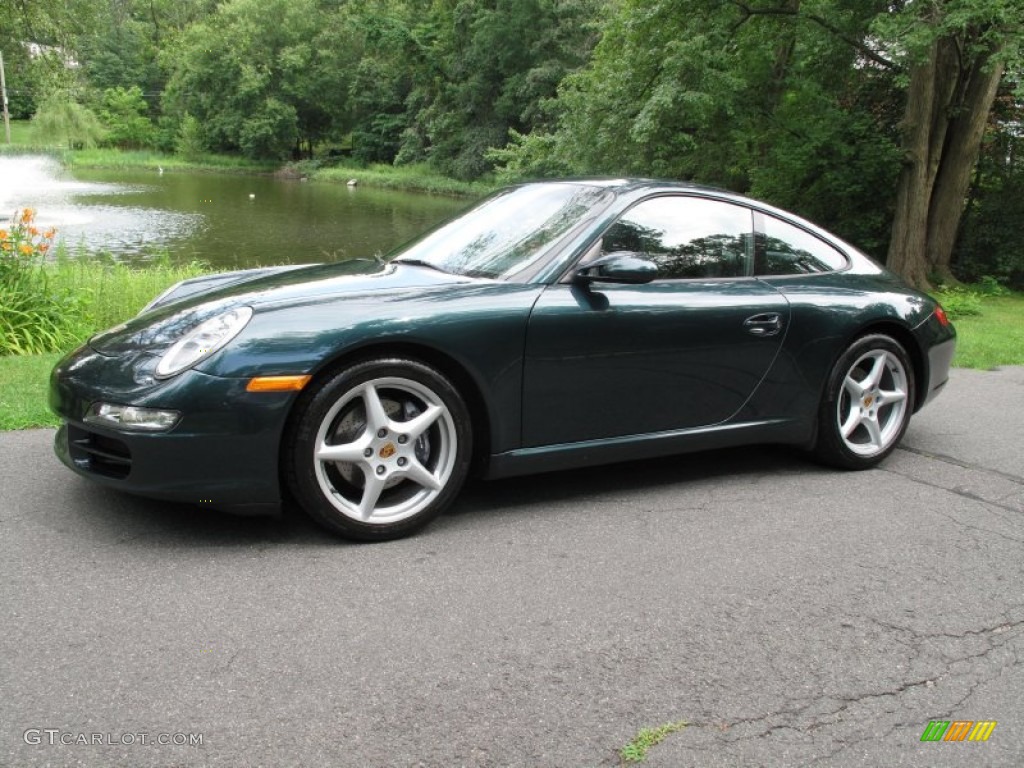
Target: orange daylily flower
[(50, 233), (25, 249), (33, 231), (27, 215)]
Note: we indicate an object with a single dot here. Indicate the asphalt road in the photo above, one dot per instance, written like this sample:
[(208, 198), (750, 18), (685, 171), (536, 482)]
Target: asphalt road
[(791, 615)]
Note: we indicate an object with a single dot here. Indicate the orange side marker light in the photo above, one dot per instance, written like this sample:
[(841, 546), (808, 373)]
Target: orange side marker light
[(277, 383)]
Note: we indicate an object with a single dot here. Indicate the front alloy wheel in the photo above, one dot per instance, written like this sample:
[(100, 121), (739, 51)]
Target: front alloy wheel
[(381, 449), (867, 405)]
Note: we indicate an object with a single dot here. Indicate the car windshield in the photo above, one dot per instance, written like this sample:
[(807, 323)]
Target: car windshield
[(508, 232)]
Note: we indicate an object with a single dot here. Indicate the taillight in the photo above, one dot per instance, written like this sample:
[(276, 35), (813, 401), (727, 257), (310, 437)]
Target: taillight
[(940, 315)]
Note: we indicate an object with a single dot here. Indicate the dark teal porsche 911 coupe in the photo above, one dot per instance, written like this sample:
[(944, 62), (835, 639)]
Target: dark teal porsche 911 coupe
[(554, 325)]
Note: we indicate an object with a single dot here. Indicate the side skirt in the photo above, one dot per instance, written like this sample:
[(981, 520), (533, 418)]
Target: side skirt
[(553, 458)]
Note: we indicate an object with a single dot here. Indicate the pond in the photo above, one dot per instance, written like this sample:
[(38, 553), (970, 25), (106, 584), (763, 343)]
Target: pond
[(226, 220)]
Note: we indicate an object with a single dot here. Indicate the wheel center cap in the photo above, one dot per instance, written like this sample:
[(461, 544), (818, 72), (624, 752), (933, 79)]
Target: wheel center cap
[(868, 401), (387, 451)]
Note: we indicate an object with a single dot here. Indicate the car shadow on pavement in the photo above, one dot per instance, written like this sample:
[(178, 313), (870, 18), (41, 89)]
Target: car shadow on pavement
[(126, 519), (130, 518), (591, 483)]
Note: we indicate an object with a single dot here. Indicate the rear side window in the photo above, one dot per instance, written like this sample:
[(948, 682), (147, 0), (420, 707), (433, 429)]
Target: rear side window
[(783, 249)]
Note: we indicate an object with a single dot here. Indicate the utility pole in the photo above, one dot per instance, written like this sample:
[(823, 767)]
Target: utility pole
[(3, 94)]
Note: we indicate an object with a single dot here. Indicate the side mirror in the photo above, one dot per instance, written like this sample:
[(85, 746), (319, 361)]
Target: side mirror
[(618, 267)]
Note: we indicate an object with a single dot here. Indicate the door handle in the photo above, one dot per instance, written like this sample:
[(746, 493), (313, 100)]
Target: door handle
[(767, 324)]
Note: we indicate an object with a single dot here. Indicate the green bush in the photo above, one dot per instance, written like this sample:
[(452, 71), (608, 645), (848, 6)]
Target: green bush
[(960, 302), (991, 286), (62, 120), (123, 112), (189, 141), (35, 316)]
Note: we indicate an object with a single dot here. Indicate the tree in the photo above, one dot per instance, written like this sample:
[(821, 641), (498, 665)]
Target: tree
[(988, 245), (487, 67), (762, 100), (62, 120), (811, 104), (957, 52), (263, 76), (123, 112)]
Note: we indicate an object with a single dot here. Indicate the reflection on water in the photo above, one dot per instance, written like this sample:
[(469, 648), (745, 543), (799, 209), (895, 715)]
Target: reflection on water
[(227, 220)]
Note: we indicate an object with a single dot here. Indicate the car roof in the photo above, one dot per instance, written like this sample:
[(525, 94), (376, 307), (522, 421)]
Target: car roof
[(621, 185)]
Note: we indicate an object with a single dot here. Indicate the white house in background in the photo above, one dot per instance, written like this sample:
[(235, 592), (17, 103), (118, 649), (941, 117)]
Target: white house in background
[(35, 50)]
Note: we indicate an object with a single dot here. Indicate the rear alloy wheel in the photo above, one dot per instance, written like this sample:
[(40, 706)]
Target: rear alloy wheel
[(381, 449), (867, 406)]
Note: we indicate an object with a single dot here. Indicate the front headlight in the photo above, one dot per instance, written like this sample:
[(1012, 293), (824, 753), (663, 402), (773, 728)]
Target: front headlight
[(202, 341)]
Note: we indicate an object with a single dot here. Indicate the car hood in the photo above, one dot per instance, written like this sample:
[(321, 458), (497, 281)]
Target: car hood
[(193, 301)]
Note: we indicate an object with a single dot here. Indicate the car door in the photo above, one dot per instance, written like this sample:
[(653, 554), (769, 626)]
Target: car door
[(606, 360)]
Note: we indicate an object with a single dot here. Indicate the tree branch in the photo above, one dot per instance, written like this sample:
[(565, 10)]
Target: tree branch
[(747, 13)]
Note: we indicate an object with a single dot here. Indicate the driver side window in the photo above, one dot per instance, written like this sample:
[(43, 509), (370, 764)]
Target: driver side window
[(687, 237)]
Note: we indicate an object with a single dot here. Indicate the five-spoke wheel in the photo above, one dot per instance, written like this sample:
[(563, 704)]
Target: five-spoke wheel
[(380, 449), (867, 405)]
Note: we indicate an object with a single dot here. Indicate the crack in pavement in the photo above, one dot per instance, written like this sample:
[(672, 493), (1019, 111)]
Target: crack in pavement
[(997, 635), (961, 463), (964, 493)]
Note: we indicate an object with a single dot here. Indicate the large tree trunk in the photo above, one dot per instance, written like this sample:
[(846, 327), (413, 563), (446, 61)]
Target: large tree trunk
[(963, 146), (948, 102)]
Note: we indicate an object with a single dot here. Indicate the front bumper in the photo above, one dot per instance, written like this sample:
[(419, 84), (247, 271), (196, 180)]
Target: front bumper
[(223, 453)]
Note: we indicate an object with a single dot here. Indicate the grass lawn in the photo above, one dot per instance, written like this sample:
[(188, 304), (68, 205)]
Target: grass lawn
[(417, 177), (993, 338), (21, 131), (143, 158), (23, 391)]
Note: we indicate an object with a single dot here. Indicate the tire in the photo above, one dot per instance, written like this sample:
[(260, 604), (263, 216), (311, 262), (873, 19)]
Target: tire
[(867, 404), (379, 449)]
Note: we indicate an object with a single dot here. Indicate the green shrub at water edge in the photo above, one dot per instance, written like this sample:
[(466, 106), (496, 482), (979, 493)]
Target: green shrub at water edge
[(35, 315), (50, 307)]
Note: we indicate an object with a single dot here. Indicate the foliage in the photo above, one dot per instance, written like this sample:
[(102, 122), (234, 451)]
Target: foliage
[(990, 286), (123, 112), (480, 81), (959, 302), (636, 750), (953, 56), (114, 158), (111, 292), (989, 243), (63, 121), (49, 306), (261, 76), (695, 89), (34, 316), (24, 79), (189, 142), (803, 103)]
